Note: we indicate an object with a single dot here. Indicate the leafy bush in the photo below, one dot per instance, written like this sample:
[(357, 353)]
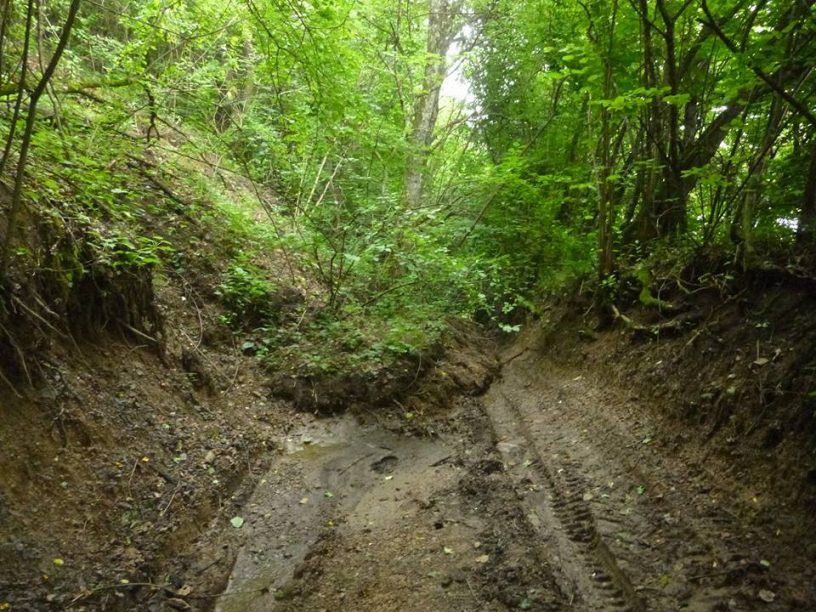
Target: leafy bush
[(248, 296)]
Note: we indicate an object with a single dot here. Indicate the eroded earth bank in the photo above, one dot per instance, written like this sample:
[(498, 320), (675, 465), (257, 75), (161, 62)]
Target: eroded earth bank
[(569, 470)]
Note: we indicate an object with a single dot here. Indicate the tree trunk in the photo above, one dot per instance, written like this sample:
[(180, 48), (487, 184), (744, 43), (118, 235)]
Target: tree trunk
[(442, 27), (21, 88), (606, 212), (36, 94), (743, 221), (806, 234)]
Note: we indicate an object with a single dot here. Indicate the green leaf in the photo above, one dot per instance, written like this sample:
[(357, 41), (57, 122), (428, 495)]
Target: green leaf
[(677, 99)]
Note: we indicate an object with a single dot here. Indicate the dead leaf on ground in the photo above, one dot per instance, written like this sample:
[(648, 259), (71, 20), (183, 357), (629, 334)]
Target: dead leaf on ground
[(767, 596)]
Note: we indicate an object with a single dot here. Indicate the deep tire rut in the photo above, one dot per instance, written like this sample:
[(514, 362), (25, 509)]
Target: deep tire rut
[(631, 525), (591, 572), (552, 491)]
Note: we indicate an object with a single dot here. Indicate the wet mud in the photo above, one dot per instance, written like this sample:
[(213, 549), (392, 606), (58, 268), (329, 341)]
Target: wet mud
[(549, 492)]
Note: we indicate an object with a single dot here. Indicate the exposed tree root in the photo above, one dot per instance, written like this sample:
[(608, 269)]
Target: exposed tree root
[(674, 327)]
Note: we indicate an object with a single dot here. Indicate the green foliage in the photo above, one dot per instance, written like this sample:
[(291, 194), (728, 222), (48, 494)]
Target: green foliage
[(247, 295), (364, 345), (272, 144), (128, 253)]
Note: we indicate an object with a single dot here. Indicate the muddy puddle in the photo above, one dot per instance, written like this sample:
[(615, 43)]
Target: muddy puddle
[(337, 474)]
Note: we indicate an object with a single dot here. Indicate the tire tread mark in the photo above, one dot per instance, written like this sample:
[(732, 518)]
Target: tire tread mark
[(565, 486)]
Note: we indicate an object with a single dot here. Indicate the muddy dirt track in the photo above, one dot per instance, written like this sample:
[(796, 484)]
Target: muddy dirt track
[(553, 491)]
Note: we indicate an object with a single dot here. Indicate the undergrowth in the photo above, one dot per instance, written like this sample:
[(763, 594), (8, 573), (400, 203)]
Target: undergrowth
[(323, 295), (104, 217)]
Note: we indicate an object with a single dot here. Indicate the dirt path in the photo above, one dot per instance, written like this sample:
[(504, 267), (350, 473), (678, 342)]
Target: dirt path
[(631, 526), (354, 517), (549, 493)]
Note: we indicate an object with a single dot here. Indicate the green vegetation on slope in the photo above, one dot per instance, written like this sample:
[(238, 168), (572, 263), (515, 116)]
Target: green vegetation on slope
[(301, 151)]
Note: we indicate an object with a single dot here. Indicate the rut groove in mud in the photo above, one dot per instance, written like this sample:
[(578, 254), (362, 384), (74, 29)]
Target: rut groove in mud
[(550, 492), (681, 537), (562, 514)]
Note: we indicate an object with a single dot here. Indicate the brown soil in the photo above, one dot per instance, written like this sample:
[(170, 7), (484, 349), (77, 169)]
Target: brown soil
[(637, 525), (123, 467), (601, 471), (553, 491), (118, 462), (733, 392)]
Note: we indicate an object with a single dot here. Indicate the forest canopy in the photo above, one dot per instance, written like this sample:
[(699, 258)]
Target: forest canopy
[(589, 137)]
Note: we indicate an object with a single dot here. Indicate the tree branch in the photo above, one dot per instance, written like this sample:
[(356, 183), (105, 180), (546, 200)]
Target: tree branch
[(797, 105)]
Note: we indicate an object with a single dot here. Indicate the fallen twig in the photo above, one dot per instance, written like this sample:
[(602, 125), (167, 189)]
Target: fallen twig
[(355, 462), (442, 461), (172, 497), (515, 356), (113, 587)]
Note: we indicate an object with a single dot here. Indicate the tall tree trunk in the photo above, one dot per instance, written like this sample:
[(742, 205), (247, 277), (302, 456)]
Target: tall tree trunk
[(442, 27), (21, 88), (743, 220), (672, 203), (606, 212), (638, 224), (663, 212), (4, 25)]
